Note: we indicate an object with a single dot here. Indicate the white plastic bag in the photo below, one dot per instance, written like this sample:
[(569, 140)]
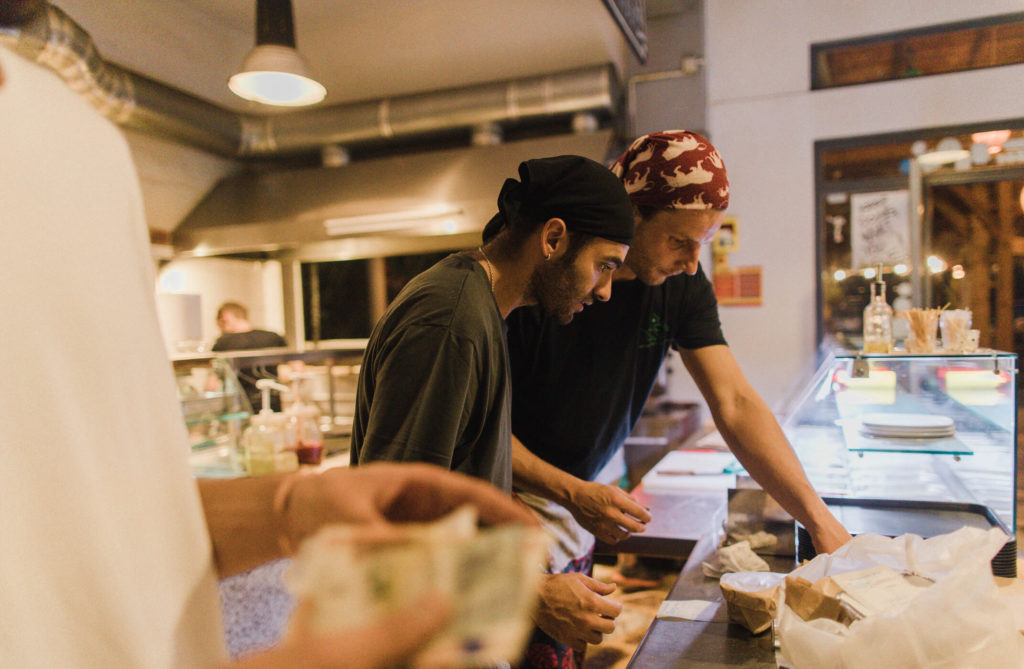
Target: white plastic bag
[(958, 622)]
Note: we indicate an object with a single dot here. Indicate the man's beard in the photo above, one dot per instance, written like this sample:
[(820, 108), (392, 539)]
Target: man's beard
[(557, 290)]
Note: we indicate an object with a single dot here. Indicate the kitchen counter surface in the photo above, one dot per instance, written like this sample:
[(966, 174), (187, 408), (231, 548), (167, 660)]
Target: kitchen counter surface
[(687, 643)]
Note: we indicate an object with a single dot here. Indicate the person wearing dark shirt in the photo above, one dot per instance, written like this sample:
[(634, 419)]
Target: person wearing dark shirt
[(434, 383), (578, 389), (237, 334)]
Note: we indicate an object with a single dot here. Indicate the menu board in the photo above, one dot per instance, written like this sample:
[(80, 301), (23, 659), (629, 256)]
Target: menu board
[(880, 227)]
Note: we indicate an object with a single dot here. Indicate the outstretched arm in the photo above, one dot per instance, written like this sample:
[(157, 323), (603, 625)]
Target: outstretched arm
[(607, 512), (754, 436), (254, 520)]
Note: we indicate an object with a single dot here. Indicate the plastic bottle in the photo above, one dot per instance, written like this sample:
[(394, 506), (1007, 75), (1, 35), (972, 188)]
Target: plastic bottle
[(304, 427), (265, 440), (878, 319)]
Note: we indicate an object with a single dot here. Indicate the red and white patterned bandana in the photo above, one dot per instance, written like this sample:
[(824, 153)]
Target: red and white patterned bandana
[(674, 169)]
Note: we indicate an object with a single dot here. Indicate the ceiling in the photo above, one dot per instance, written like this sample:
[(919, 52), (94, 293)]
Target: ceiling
[(359, 50)]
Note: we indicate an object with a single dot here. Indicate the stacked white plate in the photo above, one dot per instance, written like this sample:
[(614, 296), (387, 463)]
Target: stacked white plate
[(907, 426)]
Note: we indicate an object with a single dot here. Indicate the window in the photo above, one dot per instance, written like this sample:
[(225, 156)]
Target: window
[(989, 42), (343, 290), (399, 269)]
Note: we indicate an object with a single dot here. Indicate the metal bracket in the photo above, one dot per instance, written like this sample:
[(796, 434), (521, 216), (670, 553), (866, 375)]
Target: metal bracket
[(861, 370)]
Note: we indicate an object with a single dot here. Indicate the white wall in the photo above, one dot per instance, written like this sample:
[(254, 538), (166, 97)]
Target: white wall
[(255, 284), (764, 120)]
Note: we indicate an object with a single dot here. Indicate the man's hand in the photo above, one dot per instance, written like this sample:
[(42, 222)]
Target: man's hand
[(390, 639), (572, 610), (392, 492), (607, 512)]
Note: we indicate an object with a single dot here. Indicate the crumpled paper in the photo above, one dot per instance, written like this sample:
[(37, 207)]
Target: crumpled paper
[(757, 540), (750, 598), (737, 557), (958, 621)]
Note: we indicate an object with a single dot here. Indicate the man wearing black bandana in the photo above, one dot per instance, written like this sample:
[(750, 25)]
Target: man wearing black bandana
[(434, 383)]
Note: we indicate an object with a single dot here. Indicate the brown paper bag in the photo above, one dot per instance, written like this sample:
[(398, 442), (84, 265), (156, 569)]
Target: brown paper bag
[(815, 600), (753, 610)]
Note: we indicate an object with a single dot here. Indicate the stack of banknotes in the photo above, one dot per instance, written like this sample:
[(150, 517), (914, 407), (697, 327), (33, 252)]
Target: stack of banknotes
[(489, 575)]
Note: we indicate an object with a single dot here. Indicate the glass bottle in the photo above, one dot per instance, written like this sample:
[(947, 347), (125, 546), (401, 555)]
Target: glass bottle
[(878, 319)]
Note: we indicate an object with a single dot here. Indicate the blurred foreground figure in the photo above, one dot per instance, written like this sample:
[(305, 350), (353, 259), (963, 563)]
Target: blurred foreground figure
[(110, 550)]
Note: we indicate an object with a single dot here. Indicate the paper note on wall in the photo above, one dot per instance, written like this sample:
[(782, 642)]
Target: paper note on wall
[(879, 227)]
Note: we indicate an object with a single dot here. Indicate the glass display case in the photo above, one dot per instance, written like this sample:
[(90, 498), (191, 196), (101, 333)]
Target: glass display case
[(910, 427), (216, 412), (219, 398)]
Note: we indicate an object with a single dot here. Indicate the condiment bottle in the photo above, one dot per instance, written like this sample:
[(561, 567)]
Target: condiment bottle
[(304, 428), (265, 440), (878, 319)]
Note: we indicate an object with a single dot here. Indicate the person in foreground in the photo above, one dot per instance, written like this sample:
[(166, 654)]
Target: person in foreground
[(110, 551), (434, 380), (569, 414)]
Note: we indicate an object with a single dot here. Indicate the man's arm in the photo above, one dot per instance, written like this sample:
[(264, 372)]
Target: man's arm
[(605, 511), (254, 520), (754, 436)]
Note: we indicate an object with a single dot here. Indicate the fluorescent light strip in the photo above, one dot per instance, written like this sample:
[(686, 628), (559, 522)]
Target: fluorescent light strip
[(390, 221)]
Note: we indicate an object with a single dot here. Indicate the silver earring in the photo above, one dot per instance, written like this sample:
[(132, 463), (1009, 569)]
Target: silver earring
[(547, 257)]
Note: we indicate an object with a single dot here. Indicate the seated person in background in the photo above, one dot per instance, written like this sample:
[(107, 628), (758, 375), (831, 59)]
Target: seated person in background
[(237, 334)]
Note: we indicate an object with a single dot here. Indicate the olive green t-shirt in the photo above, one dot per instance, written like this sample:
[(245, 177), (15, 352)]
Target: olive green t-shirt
[(434, 383)]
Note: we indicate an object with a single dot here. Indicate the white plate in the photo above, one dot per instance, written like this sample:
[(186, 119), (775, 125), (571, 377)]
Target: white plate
[(908, 421), (907, 425)]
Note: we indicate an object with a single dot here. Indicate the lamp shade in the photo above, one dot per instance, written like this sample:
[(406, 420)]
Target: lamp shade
[(276, 75)]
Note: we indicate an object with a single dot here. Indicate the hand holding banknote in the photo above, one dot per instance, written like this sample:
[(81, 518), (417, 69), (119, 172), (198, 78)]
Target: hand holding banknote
[(353, 575), (388, 640)]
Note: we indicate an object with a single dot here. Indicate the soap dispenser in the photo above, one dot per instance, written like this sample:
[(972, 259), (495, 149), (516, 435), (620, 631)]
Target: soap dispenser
[(878, 319), (265, 440)]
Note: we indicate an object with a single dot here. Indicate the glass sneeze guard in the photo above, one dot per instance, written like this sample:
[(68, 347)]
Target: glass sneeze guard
[(830, 426)]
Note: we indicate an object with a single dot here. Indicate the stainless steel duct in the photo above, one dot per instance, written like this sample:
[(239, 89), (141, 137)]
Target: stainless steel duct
[(135, 101), (129, 99), (563, 93)]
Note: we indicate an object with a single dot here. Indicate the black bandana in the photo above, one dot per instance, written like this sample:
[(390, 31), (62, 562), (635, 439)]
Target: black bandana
[(581, 192)]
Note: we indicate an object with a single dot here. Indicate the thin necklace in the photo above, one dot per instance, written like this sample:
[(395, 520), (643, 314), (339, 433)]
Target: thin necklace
[(490, 274)]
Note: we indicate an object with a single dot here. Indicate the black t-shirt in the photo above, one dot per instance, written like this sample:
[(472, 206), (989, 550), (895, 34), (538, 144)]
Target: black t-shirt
[(434, 384), (244, 341), (578, 389), (247, 376)]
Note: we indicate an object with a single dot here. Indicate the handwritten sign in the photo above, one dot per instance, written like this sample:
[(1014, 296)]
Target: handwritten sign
[(880, 227)]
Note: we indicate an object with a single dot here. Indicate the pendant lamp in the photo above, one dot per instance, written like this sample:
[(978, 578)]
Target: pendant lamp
[(274, 72)]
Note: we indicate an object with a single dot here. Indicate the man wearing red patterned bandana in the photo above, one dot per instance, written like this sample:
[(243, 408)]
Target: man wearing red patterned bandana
[(578, 389)]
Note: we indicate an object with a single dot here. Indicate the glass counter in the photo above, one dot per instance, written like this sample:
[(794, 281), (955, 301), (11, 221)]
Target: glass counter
[(216, 412), (954, 434), (216, 391)]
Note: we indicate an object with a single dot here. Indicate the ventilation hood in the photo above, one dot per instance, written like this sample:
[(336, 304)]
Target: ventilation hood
[(376, 207), (434, 200)]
